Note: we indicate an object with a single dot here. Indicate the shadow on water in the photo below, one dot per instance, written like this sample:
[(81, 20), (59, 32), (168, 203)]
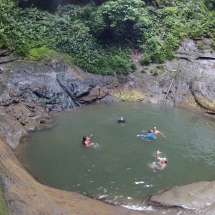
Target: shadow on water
[(116, 167)]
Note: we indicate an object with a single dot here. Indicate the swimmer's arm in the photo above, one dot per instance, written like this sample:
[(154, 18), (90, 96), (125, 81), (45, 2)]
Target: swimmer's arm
[(91, 136), (162, 134), (157, 155)]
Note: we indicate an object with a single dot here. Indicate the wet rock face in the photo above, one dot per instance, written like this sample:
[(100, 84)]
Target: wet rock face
[(30, 91), (17, 119), (74, 87), (54, 89), (186, 82), (204, 92)]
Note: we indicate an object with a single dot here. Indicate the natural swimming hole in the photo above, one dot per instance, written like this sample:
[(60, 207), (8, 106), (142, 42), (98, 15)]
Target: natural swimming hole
[(116, 167)]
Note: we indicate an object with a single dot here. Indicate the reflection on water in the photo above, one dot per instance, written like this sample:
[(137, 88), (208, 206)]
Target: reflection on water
[(116, 167)]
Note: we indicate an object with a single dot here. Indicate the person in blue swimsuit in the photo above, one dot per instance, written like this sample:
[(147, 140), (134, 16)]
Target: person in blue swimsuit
[(148, 136)]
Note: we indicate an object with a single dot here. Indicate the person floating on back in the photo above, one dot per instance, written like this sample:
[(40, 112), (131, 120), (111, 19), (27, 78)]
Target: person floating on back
[(148, 136), (86, 141)]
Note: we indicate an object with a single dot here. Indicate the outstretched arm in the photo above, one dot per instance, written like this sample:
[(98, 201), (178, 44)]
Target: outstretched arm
[(161, 134), (157, 154), (91, 136)]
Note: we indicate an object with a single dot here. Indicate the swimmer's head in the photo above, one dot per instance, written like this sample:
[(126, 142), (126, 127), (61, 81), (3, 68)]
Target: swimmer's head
[(84, 139), (165, 160), (154, 128), (149, 131)]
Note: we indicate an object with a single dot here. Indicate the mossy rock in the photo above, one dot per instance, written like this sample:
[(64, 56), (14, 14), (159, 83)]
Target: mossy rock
[(127, 94), (41, 52), (44, 54), (205, 103)]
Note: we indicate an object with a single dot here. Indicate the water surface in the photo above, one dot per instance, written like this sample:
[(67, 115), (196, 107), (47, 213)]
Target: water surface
[(116, 167)]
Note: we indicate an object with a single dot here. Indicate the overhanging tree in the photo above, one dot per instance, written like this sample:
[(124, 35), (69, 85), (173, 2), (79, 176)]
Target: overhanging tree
[(115, 20)]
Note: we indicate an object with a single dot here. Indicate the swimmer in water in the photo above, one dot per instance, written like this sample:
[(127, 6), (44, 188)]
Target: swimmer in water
[(155, 131), (121, 120), (161, 164), (86, 141)]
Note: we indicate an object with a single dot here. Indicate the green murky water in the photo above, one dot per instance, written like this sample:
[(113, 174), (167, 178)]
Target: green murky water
[(115, 168)]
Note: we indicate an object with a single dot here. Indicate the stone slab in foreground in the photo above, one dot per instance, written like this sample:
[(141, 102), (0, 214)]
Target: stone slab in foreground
[(196, 198)]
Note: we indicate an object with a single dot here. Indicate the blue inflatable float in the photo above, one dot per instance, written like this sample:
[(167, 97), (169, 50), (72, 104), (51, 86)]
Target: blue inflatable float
[(148, 136)]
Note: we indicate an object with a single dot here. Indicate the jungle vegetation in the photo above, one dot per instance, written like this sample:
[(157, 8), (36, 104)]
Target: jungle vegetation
[(100, 38)]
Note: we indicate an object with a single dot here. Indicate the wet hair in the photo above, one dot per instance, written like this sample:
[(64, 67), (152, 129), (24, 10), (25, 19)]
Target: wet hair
[(149, 131), (84, 139)]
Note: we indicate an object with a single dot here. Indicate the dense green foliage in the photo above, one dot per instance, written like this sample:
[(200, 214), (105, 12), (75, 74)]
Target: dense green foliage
[(100, 38), (210, 4)]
